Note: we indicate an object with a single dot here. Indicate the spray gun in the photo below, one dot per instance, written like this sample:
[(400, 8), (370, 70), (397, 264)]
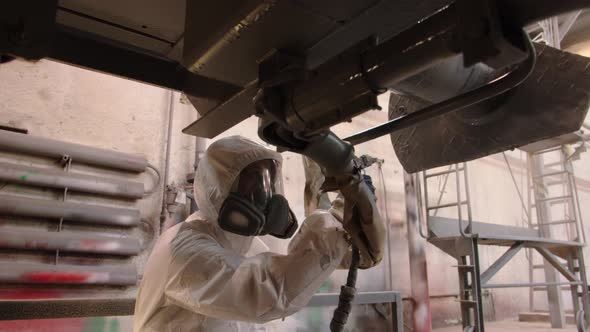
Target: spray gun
[(366, 161)]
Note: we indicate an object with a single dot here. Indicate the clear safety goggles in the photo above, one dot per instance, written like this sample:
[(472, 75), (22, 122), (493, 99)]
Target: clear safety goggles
[(258, 182)]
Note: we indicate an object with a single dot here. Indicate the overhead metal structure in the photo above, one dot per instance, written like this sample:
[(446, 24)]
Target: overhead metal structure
[(303, 66), (144, 43)]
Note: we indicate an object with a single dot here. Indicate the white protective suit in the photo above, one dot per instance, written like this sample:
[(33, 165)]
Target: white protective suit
[(201, 278)]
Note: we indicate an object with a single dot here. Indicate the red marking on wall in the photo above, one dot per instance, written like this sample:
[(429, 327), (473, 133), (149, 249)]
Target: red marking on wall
[(91, 244), (34, 244), (55, 277)]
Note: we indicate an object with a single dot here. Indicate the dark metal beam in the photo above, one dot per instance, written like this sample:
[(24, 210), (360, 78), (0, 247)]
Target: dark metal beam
[(101, 54), (523, 12), (65, 308)]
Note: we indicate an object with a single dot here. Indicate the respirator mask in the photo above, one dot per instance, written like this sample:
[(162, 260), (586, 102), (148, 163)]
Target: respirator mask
[(254, 206)]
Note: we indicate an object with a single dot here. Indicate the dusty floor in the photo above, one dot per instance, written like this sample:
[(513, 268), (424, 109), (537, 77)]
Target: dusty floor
[(513, 325)]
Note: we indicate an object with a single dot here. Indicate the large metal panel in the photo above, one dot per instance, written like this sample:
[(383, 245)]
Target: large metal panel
[(441, 227), (234, 56), (163, 19), (553, 101), (297, 25), (106, 29), (268, 32)]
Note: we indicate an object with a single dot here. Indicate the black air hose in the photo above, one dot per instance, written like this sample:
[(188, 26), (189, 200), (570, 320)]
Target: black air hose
[(347, 293)]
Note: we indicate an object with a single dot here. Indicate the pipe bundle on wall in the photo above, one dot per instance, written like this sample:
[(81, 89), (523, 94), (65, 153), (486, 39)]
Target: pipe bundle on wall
[(53, 178), (69, 241), (38, 146), (83, 242), (79, 212), (34, 273)]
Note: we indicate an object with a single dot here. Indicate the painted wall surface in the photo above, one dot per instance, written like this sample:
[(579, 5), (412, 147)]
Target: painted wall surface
[(71, 104)]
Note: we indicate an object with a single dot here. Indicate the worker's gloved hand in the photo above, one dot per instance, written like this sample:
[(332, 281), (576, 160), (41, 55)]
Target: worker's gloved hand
[(362, 222)]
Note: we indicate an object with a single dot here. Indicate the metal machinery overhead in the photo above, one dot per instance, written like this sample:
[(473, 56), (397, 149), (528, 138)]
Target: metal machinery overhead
[(303, 66), (311, 76)]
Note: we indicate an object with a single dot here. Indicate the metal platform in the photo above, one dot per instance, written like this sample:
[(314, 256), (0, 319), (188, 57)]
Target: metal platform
[(444, 233), (460, 237)]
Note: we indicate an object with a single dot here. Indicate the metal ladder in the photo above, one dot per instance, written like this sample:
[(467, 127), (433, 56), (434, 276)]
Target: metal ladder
[(470, 294), (552, 188)]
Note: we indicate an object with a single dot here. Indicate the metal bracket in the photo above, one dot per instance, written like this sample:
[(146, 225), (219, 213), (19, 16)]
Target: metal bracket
[(549, 257), (482, 37), (500, 262), (27, 28)]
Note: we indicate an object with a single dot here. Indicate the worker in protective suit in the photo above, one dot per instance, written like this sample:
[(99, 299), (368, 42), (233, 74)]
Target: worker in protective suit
[(211, 272)]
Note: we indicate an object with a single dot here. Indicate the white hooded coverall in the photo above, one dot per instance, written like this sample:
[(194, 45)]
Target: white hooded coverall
[(201, 278)]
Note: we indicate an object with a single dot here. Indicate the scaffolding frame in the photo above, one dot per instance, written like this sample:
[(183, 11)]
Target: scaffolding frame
[(461, 237)]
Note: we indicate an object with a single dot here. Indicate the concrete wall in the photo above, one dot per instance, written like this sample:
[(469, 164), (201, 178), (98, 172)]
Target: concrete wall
[(71, 104)]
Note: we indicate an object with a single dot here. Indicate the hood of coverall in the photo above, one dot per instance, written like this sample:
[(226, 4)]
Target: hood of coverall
[(216, 173)]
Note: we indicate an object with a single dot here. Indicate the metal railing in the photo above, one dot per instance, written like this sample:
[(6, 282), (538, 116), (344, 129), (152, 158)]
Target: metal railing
[(460, 202)]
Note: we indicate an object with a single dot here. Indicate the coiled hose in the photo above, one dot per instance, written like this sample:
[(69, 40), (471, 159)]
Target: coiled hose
[(347, 293)]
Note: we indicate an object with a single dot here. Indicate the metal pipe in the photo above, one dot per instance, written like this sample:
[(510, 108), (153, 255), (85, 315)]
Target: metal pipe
[(468, 199), (460, 203), (164, 210), (532, 284), (33, 273), (495, 88), (85, 242), (445, 80), (85, 213), (442, 206), (200, 149), (13, 129), (44, 147), (331, 153), (418, 272), (52, 178), (341, 88)]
